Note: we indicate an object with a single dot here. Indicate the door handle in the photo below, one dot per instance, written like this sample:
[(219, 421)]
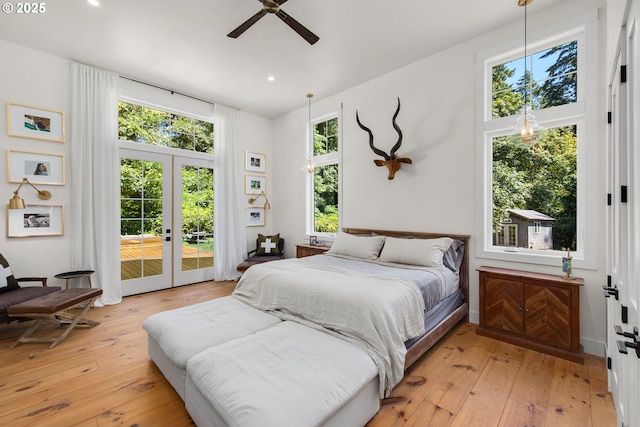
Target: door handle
[(623, 345), (608, 291)]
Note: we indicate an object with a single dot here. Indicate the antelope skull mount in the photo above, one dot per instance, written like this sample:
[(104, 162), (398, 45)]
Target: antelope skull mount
[(391, 161)]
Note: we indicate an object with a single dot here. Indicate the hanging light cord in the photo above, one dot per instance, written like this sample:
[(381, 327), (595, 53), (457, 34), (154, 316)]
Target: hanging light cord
[(526, 88)]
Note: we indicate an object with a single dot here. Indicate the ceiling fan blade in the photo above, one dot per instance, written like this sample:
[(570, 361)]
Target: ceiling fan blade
[(281, 2), (297, 27), (246, 24)]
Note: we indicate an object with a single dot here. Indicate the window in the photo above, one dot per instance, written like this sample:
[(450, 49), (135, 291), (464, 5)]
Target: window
[(137, 123), (323, 212), (537, 227), (543, 181)]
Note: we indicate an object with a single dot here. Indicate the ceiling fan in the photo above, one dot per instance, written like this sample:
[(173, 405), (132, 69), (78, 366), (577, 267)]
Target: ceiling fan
[(273, 6)]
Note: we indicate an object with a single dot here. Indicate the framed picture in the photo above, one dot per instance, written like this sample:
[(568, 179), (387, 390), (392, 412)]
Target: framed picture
[(255, 216), (39, 168), (254, 184), (35, 123), (255, 162), (35, 220)]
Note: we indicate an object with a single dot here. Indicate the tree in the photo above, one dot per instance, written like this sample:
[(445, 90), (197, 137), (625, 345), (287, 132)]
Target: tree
[(561, 85)]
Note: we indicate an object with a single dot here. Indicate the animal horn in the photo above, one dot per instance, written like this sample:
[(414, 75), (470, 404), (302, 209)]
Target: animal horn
[(375, 150), (395, 148)]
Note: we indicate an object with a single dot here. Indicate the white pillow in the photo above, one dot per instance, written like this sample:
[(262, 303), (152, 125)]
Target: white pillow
[(423, 252), (365, 247)]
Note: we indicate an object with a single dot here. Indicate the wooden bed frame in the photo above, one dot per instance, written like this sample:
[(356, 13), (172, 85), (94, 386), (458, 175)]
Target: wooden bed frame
[(461, 313)]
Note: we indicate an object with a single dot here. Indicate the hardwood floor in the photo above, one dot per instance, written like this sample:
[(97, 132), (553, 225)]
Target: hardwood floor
[(103, 377)]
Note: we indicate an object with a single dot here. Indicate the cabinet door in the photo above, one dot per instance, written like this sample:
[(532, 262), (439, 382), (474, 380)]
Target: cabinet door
[(548, 315), (503, 302)]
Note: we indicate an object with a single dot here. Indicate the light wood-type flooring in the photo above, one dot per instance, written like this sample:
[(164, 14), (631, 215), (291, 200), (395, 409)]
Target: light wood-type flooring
[(103, 377)]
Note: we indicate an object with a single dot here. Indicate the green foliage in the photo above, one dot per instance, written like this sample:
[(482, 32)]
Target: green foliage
[(197, 200), (325, 137), (326, 199), (148, 126)]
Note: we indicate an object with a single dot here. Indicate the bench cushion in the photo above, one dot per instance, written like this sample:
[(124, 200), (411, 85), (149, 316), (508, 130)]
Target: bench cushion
[(18, 295), (185, 332), (54, 302), (286, 375)]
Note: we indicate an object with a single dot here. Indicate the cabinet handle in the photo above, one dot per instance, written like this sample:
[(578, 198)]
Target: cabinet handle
[(527, 310), (519, 308)]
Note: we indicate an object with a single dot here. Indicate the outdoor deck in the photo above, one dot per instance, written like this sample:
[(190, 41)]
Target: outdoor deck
[(134, 265)]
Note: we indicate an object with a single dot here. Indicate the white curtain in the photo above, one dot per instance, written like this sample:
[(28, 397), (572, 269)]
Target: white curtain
[(230, 240), (95, 179)]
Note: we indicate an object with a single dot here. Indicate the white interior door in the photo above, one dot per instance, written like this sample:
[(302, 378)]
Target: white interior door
[(617, 234), (624, 225), (633, 294)]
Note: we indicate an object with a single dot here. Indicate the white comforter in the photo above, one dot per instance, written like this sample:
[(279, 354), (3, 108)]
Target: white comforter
[(377, 314)]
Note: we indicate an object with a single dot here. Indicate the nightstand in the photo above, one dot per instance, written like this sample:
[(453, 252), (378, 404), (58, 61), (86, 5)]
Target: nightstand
[(533, 310), (308, 250)]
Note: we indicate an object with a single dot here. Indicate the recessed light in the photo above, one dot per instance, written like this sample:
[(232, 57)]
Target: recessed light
[(271, 78), (94, 2)]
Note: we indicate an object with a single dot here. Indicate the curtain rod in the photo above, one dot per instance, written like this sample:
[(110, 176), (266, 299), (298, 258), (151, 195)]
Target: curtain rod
[(173, 92)]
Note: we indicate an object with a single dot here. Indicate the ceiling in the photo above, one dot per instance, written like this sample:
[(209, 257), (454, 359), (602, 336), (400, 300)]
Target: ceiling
[(182, 45)]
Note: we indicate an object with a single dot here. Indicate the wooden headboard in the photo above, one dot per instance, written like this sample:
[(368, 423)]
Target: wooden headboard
[(464, 268)]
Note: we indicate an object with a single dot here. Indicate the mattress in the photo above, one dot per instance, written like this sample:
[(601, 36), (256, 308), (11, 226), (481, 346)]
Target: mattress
[(177, 335), (286, 375)]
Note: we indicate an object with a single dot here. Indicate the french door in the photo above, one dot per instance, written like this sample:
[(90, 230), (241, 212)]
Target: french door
[(166, 221)]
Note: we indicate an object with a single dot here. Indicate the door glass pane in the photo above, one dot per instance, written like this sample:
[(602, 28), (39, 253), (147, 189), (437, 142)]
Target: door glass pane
[(197, 217), (140, 218)]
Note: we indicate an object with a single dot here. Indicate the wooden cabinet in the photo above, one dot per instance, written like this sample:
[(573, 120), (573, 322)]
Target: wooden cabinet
[(308, 250), (533, 310)]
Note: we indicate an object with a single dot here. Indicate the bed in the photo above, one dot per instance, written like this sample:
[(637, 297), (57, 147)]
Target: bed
[(211, 351)]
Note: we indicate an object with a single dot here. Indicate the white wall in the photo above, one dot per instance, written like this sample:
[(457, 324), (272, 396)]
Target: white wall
[(254, 134), (41, 80), (436, 192)]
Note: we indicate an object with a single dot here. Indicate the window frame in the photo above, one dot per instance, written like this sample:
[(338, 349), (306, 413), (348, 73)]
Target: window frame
[(583, 114), (319, 161)]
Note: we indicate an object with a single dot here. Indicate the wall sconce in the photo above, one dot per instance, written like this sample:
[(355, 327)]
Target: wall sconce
[(267, 205), (17, 203)]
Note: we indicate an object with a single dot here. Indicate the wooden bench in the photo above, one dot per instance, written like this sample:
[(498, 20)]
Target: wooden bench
[(52, 308)]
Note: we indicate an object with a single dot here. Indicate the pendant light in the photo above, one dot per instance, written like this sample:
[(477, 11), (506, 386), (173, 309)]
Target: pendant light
[(526, 124), (310, 166)]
